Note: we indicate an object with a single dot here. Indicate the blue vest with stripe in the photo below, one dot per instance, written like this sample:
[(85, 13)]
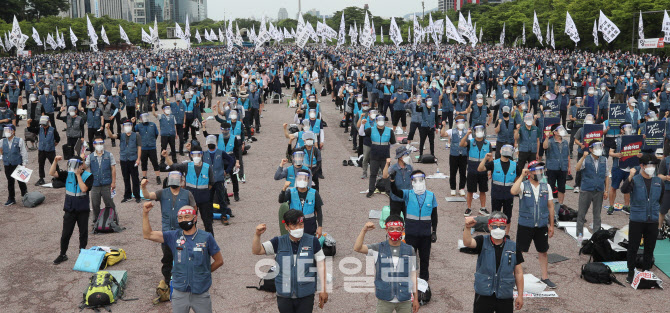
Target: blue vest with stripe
[(501, 182), (290, 174), (418, 219), (75, 199), (475, 155), (198, 185), (306, 208), (227, 147)]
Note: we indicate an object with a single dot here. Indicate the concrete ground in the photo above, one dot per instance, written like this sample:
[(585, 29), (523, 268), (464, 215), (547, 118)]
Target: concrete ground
[(31, 283)]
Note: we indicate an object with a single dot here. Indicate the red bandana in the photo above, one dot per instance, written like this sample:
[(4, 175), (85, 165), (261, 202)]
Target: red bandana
[(497, 220), (186, 211), (395, 223)]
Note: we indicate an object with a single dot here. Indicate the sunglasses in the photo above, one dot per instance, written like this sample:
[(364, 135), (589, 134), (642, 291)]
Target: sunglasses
[(498, 227)]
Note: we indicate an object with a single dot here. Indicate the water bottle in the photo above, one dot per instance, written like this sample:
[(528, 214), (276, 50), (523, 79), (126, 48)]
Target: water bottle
[(438, 171)]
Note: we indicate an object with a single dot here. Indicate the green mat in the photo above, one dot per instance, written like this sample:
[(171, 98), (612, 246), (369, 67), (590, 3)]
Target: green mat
[(662, 256), (207, 110)]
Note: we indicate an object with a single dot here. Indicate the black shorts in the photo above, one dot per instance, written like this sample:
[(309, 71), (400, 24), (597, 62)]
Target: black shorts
[(477, 179), (539, 235)]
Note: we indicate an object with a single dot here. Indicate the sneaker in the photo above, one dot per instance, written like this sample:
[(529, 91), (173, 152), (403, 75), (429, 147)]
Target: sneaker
[(453, 193), (576, 190), (610, 209), (484, 212), (626, 209), (369, 194), (569, 177), (237, 197), (126, 200), (40, 182), (660, 234), (60, 259), (10, 202), (549, 283), (138, 200), (461, 192), (629, 277), (225, 221), (158, 180), (467, 212), (351, 138)]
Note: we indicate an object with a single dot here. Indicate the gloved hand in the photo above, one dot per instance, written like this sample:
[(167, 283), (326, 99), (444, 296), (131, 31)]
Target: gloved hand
[(433, 237)]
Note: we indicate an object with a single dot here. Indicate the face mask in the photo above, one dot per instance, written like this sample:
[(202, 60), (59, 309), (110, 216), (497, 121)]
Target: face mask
[(99, 148), (497, 233), (167, 111), (211, 146), (73, 114), (528, 123), (406, 159), (309, 142), (312, 115), (419, 187), (479, 134), (8, 134), (505, 114), (460, 126), (505, 96), (380, 123), (429, 104), (197, 160), (187, 225), (588, 122), (562, 133), (597, 152), (127, 129), (649, 170), (296, 233), (394, 235)]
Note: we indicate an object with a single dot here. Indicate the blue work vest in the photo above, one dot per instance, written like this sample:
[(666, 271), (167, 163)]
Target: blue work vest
[(306, 208), (148, 133), (296, 277), (382, 140), (128, 147), (501, 182), (475, 155), (93, 118), (167, 123), (316, 129), (47, 103), (217, 164), (244, 104), (11, 154), (46, 138), (478, 115), (198, 185), (102, 169), (389, 282), (75, 199), (456, 149), (236, 130), (488, 280), (178, 111), (227, 147), (534, 213), (592, 180), (506, 133), (418, 219), (192, 268), (131, 97), (169, 208), (645, 208), (557, 155), (528, 139)]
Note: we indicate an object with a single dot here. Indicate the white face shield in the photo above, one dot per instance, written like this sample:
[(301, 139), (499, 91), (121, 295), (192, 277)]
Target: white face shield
[(174, 179), (507, 151), (73, 164), (302, 180), (298, 158), (380, 121), (597, 148), (144, 117), (419, 183), (480, 131)]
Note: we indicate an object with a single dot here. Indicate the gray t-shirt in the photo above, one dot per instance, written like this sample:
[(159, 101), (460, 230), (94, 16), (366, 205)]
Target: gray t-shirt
[(191, 200)]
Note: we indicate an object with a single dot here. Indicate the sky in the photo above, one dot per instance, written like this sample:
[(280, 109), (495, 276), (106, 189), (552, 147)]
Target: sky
[(270, 8)]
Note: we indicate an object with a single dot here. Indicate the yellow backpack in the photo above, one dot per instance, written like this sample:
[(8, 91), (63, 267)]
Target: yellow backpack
[(113, 255), (99, 292)]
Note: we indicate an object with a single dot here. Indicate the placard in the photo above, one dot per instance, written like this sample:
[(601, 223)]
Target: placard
[(654, 134), (581, 115), (617, 115), (631, 146), (592, 132)]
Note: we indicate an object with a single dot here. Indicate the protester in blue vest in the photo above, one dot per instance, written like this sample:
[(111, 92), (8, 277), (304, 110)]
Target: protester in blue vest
[(94, 120), (399, 100), (168, 132), (7, 116), (421, 218), (103, 166), (148, 134), (13, 93), (527, 138), (316, 126), (458, 156), (78, 182), (536, 214), (557, 160), (14, 153), (199, 181), (503, 174), (289, 173), (192, 115), (619, 172), (505, 128), (387, 92), (172, 198), (233, 147), (306, 200), (48, 102), (255, 101), (595, 182), (222, 164), (646, 189), (312, 157), (495, 279), (477, 149), (129, 150), (427, 128), (48, 140), (296, 254), (400, 173), (479, 112), (447, 106), (193, 250), (131, 100), (395, 267), (379, 138)]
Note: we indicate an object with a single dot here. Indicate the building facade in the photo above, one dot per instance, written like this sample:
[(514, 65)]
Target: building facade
[(282, 15)]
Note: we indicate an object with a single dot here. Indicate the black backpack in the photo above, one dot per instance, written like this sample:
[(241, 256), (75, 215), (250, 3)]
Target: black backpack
[(599, 248), (598, 273), (566, 214), (108, 222), (266, 283)]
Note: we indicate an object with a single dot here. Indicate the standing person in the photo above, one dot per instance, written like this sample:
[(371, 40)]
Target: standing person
[(595, 180), (296, 247), (232, 146), (398, 101), (78, 182), (492, 250), (477, 150), (458, 156), (48, 105), (178, 109), (95, 121), (6, 115), (13, 92), (646, 190), (289, 173), (306, 200), (536, 214), (557, 160), (131, 101), (421, 227), (401, 172), (168, 131), (74, 127), (427, 128), (192, 271), (103, 165), (172, 199), (415, 116), (148, 134), (129, 149), (528, 141), (14, 153), (505, 128), (619, 173), (312, 157), (503, 175), (46, 148), (255, 102), (395, 263), (221, 163), (380, 138)]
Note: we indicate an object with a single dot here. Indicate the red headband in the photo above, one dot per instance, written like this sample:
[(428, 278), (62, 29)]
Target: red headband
[(186, 211), (497, 220), (394, 223)]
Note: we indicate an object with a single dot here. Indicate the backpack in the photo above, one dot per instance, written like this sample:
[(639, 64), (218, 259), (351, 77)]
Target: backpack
[(329, 245), (383, 185), (108, 222), (566, 214), (482, 224), (33, 199), (113, 255), (267, 283), (598, 273), (600, 249), (99, 292), (427, 159)]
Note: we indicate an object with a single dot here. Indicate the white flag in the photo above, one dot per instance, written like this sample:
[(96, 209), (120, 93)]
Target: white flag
[(187, 32), (481, 33), (145, 37), (36, 37), (381, 34), (553, 45), (451, 32), (418, 32), (353, 33), (462, 24), (341, 39), (536, 29), (301, 23), (595, 32), (58, 39), (666, 26), (303, 35), (73, 38), (52, 43), (502, 36), (154, 32), (523, 34), (177, 31), (607, 27), (91, 32), (229, 34), (548, 38), (197, 36), (17, 38), (1, 44), (103, 35), (123, 35), (640, 27), (238, 36), (394, 32), (571, 28), (8, 43), (62, 40), (366, 34)]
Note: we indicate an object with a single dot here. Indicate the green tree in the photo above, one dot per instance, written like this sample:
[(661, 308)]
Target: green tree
[(40, 8), (11, 8)]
